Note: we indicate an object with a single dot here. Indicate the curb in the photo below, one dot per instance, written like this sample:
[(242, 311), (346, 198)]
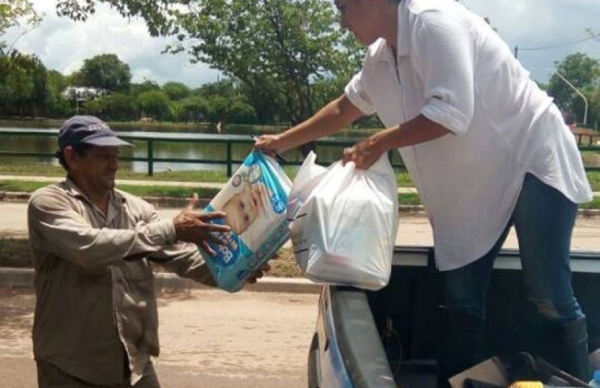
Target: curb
[(171, 283)]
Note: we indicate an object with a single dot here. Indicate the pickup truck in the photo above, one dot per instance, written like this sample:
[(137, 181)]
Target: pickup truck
[(387, 338)]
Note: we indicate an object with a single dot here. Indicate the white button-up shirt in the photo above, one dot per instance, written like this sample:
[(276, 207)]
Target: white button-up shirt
[(453, 68)]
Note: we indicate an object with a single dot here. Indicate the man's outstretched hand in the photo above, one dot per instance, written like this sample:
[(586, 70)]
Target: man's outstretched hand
[(194, 226)]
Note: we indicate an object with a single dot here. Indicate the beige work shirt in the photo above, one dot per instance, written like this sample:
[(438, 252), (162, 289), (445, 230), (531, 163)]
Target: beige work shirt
[(94, 282)]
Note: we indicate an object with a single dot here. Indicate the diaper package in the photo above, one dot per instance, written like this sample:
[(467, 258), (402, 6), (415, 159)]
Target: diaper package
[(255, 200)]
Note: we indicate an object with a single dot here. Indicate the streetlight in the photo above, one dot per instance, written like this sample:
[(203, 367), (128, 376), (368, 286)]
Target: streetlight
[(579, 93)]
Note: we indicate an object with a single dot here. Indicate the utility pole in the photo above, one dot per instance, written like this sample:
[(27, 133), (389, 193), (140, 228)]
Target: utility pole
[(585, 101)]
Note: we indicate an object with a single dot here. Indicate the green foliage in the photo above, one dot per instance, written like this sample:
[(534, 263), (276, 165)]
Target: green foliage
[(105, 72), (120, 106), (57, 105), (154, 104), (583, 73), (176, 91), (278, 49), (295, 45), (95, 106), (146, 86), (189, 110), (16, 13), (23, 85), (224, 101)]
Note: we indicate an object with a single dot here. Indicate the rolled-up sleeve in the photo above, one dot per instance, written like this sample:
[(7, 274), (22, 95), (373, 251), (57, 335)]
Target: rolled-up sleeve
[(444, 59), (357, 94), (58, 229)]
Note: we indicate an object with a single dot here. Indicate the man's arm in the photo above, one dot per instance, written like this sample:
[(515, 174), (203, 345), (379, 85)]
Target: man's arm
[(55, 227)]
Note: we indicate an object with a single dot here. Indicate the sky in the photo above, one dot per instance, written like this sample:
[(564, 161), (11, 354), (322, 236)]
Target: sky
[(63, 44)]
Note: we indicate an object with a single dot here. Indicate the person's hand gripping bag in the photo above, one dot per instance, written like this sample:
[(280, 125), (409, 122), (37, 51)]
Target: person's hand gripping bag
[(255, 201), (345, 222)]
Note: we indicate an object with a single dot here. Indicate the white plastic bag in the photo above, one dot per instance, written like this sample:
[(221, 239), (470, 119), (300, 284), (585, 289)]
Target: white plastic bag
[(345, 222)]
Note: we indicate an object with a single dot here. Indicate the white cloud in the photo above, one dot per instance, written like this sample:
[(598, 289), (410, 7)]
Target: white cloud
[(542, 23), (63, 44)]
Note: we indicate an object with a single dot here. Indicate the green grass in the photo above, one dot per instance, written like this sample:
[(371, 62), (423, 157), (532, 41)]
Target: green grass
[(27, 187), (409, 199), (142, 191), (594, 204), (56, 171), (594, 178), (37, 169), (168, 191), (16, 253)]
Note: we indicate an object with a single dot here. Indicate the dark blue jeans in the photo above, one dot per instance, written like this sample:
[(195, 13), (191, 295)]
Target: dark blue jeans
[(544, 220)]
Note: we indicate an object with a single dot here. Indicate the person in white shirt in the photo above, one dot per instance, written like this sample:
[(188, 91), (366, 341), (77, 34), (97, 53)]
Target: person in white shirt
[(486, 149)]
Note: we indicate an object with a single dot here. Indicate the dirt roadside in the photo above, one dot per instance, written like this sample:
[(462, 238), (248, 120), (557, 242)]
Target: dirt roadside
[(209, 339)]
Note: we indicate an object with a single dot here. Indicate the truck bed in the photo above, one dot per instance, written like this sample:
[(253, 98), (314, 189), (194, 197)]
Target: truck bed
[(387, 338)]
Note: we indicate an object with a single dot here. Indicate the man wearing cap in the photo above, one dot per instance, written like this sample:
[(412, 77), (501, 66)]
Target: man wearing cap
[(96, 316)]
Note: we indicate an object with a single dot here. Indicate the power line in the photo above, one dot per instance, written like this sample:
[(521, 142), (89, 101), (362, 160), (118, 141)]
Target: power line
[(558, 45), (541, 48)]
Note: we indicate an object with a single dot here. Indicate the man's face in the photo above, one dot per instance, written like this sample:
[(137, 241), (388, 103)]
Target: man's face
[(96, 169), (356, 16)]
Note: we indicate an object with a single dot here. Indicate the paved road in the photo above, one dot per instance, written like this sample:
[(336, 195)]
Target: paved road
[(413, 230)]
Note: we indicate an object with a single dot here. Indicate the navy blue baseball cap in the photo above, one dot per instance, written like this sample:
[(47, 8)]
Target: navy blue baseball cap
[(88, 130)]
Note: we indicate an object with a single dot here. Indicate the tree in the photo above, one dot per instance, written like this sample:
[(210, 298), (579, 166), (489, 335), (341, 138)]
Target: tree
[(225, 101), (176, 90), (23, 84), (16, 13), (95, 106), (154, 104), (190, 109), (146, 86), (278, 49), (105, 72), (594, 117), (57, 104), (120, 107), (583, 73)]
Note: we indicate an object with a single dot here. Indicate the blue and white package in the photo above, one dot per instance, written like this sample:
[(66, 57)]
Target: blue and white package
[(255, 200)]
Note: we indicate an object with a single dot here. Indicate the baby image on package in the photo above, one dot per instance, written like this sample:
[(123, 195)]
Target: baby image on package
[(255, 201)]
